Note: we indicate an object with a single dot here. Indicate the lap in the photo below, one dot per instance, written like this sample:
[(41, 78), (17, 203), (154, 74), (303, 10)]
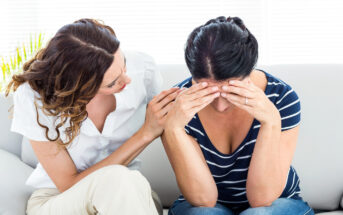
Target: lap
[(281, 206), (184, 208), (96, 192)]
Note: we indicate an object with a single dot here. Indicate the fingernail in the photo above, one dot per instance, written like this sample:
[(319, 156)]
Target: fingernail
[(204, 84), (214, 88), (225, 87), (223, 94), (216, 94), (232, 82)]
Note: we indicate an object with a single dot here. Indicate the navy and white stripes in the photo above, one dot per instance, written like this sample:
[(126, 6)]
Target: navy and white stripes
[(230, 171)]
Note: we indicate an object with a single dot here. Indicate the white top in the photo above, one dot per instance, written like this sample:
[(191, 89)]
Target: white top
[(91, 146)]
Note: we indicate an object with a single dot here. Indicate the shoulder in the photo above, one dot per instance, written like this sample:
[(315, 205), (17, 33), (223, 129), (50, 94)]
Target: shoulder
[(25, 112), (145, 76), (139, 62), (286, 100), (280, 92), (25, 93)]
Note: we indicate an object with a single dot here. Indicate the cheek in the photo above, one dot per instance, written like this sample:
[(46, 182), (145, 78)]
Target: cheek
[(108, 91)]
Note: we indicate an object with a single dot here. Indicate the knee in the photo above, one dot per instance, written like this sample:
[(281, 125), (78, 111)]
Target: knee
[(113, 170), (277, 205), (111, 175), (203, 210), (257, 211), (187, 209)]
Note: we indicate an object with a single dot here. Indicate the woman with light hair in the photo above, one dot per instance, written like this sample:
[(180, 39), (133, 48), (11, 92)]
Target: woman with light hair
[(87, 121)]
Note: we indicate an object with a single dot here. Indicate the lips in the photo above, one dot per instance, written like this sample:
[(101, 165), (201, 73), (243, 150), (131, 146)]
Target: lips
[(123, 87)]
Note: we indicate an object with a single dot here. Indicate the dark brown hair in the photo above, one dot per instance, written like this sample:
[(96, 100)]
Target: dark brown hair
[(68, 72), (220, 49)]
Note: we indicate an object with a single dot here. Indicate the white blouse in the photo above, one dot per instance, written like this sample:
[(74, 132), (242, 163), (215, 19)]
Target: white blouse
[(91, 146)]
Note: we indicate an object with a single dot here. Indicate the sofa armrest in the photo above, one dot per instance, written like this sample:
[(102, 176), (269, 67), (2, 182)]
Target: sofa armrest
[(13, 191)]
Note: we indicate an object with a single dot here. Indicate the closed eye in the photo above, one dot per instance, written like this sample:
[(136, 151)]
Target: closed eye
[(114, 82), (111, 84)]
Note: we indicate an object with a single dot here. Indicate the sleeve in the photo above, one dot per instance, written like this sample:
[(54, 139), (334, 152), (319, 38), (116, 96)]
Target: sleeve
[(24, 119), (152, 78), (289, 107)]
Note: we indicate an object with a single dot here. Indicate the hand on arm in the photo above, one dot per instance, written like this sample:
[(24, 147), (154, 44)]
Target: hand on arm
[(60, 167), (155, 117)]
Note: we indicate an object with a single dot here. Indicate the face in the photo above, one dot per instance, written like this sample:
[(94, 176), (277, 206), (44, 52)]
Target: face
[(115, 78), (220, 104)]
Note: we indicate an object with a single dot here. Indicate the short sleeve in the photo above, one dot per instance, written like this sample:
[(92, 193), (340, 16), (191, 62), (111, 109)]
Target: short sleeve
[(289, 107), (24, 119), (152, 78)]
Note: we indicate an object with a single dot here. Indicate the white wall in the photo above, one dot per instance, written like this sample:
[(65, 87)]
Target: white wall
[(292, 31)]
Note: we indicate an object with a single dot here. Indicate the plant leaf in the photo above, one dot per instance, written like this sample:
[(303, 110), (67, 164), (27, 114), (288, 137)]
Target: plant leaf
[(24, 52)]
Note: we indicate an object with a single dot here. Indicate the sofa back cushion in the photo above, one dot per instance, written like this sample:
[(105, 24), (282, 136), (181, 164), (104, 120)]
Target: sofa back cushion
[(9, 141), (27, 154)]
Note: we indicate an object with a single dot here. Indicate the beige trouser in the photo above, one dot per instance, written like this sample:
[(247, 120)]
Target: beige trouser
[(110, 190)]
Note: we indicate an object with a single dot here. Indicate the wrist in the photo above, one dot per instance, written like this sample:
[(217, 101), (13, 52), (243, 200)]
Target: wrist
[(273, 119), (273, 122), (145, 135), (174, 130)]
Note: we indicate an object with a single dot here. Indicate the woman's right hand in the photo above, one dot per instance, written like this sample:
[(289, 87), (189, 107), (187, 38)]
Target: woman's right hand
[(188, 103), (157, 111)]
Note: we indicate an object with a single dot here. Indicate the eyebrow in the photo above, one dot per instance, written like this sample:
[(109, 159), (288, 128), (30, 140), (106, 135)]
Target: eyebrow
[(114, 81)]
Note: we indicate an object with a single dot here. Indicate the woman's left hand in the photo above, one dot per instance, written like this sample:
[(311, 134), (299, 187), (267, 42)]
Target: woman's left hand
[(247, 96)]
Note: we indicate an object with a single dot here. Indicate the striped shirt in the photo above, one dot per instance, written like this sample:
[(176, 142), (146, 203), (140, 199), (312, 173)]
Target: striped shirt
[(230, 171)]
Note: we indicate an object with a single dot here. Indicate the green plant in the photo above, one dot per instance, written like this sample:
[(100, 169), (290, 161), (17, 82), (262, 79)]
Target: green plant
[(13, 63)]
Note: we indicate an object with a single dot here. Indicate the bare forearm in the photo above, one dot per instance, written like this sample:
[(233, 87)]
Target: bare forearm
[(130, 149), (265, 180), (192, 173)]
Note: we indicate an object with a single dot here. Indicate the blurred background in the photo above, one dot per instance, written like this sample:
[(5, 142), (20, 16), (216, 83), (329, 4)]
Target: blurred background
[(292, 31)]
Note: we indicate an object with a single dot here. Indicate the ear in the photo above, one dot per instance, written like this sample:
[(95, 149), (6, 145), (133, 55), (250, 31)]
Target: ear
[(249, 80)]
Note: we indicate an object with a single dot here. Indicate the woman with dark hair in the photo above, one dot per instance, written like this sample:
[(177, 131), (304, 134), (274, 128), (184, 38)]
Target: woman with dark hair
[(85, 126), (231, 134)]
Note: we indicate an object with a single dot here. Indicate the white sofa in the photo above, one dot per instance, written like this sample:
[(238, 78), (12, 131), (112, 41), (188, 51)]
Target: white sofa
[(318, 159)]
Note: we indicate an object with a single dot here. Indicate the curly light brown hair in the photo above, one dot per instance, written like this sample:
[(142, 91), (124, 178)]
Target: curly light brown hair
[(68, 72)]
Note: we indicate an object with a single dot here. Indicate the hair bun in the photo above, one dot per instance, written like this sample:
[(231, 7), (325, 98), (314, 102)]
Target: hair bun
[(239, 22)]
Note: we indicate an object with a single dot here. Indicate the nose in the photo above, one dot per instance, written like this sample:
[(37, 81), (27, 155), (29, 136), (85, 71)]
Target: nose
[(127, 79), (220, 104)]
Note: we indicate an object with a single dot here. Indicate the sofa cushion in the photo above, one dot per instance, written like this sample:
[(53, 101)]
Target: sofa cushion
[(9, 141), (13, 191)]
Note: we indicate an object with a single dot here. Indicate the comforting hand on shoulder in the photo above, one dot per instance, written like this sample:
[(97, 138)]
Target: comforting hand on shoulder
[(157, 110)]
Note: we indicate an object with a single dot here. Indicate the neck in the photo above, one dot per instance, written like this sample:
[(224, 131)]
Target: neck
[(100, 98)]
